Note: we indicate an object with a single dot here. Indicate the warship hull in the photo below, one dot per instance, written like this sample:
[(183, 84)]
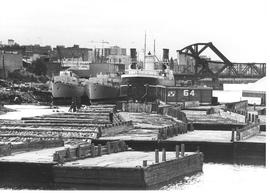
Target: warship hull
[(97, 92), (65, 90)]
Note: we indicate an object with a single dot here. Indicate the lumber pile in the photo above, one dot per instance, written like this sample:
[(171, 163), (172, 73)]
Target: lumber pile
[(247, 131), (139, 107), (88, 123), (151, 126), (86, 150), (28, 145)]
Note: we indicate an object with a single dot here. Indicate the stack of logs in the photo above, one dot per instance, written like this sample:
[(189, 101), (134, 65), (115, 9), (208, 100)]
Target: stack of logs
[(88, 150), (86, 124), (8, 149)]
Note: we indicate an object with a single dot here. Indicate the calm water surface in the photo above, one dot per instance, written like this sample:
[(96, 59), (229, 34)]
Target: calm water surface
[(225, 178)]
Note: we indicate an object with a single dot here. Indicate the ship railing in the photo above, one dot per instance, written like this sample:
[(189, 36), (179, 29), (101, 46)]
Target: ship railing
[(143, 72)]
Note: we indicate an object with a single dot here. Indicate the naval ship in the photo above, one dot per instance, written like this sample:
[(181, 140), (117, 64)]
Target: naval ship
[(137, 82), (103, 87), (67, 85)]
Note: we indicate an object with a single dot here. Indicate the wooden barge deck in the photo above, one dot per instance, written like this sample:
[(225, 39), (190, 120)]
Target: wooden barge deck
[(109, 170)]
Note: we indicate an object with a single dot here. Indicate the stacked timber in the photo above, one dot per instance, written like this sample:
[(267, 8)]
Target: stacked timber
[(139, 107), (9, 148), (177, 113), (88, 150), (87, 124), (247, 131), (98, 108), (151, 127)]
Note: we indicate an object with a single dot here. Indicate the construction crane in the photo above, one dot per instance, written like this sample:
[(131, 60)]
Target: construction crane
[(100, 42)]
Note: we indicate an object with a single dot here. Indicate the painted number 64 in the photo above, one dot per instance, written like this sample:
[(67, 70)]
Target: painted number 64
[(188, 92)]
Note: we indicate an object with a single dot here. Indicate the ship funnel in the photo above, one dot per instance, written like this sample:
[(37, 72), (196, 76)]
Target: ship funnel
[(133, 53), (133, 56), (165, 56)]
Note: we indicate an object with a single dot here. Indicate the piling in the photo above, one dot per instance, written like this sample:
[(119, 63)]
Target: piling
[(182, 150), (99, 150), (78, 152), (156, 156), (177, 151), (68, 153), (232, 138), (109, 147), (163, 154), (144, 163), (92, 150)]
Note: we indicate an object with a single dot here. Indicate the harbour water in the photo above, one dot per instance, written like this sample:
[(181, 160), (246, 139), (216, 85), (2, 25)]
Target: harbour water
[(224, 178), (216, 177)]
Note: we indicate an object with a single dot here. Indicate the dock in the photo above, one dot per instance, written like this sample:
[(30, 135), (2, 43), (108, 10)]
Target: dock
[(97, 167), (143, 150)]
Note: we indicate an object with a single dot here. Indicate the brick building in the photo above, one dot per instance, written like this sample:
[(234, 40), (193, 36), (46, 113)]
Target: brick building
[(9, 61)]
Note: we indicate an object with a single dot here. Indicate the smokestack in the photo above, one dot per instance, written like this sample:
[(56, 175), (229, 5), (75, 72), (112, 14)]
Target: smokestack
[(133, 54), (165, 56)]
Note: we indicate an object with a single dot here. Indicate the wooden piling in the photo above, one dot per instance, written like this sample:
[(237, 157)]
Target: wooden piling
[(163, 154), (144, 163), (182, 150), (177, 151), (156, 156), (99, 150), (232, 138), (78, 151), (108, 147), (92, 150), (68, 153)]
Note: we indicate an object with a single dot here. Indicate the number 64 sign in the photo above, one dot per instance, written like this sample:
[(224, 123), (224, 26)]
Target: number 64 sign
[(188, 93)]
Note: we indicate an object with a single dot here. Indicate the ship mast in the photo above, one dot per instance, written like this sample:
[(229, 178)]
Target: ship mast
[(144, 51), (154, 47)]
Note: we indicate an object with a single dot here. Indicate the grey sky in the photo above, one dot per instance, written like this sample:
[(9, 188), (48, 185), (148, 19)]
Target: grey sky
[(237, 28)]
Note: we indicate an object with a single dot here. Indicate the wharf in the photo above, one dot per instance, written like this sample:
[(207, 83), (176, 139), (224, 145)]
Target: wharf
[(203, 121), (115, 170), (216, 144), (125, 170)]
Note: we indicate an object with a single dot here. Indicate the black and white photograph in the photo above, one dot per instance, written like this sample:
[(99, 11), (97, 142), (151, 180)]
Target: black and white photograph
[(134, 95)]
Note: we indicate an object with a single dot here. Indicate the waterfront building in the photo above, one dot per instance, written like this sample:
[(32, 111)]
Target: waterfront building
[(9, 62)]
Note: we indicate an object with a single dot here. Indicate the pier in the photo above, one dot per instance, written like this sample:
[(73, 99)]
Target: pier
[(87, 166), (100, 147)]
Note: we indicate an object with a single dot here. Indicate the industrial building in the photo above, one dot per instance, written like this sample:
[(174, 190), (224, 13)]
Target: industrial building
[(9, 61)]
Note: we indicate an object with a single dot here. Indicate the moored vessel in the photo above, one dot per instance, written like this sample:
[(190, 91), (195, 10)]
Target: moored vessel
[(67, 85), (139, 83), (103, 87)]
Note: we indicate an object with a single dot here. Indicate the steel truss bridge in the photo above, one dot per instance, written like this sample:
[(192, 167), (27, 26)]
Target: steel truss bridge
[(205, 68)]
